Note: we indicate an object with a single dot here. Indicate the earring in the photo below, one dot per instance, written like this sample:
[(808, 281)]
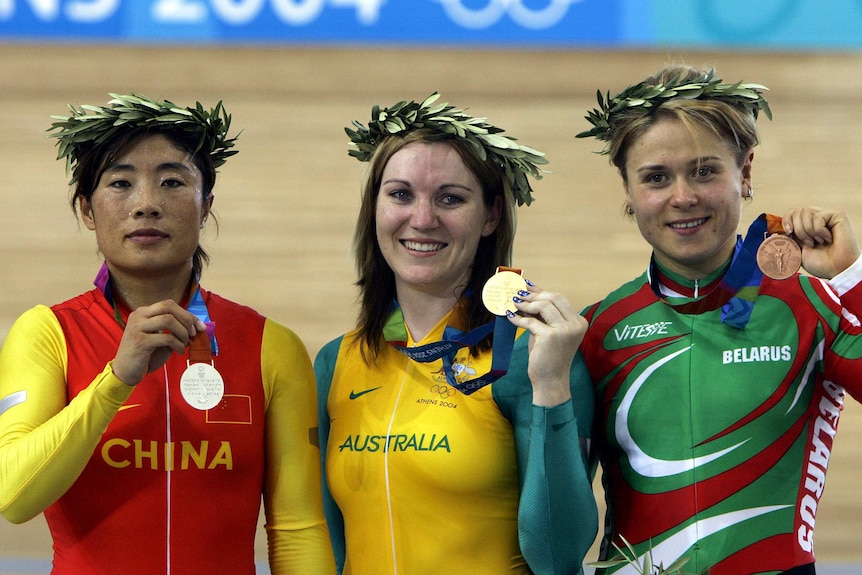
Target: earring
[(630, 211), (750, 193)]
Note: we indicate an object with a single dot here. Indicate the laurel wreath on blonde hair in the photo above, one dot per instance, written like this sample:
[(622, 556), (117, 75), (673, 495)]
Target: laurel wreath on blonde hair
[(445, 121), (645, 96), (91, 125)]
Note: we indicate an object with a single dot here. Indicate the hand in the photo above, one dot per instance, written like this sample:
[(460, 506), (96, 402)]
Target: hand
[(556, 331), (829, 245), (152, 333)]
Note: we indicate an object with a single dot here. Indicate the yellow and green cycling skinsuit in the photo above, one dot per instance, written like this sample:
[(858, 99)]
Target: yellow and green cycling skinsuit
[(422, 479)]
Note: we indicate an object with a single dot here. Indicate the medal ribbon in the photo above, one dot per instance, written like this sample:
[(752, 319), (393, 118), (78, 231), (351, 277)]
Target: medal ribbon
[(395, 334), (198, 352), (738, 289)]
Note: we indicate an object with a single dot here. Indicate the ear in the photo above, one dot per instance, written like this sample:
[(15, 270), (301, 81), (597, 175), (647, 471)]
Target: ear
[(87, 216), (206, 209), (746, 169), (493, 218), (626, 191)]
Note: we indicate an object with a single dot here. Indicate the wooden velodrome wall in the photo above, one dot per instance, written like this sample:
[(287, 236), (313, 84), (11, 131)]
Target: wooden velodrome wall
[(286, 204)]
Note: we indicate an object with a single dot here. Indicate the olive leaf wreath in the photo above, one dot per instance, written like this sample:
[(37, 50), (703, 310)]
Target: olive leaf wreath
[(91, 125), (445, 121), (646, 96)]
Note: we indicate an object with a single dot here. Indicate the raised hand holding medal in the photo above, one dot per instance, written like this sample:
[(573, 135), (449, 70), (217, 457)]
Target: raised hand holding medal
[(556, 330), (829, 244)]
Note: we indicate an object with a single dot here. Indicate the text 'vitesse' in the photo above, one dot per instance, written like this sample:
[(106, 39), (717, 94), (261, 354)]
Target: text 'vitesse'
[(629, 332)]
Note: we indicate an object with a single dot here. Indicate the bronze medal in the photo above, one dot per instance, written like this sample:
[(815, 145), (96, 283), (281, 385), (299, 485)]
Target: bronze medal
[(501, 288), (779, 257)]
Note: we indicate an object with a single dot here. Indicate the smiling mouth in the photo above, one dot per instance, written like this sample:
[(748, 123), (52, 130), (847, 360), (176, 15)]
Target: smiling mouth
[(423, 246), (688, 224)]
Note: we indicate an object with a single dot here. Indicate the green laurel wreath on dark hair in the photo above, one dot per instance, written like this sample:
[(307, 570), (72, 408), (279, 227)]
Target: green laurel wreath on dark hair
[(445, 121), (646, 96), (92, 125)]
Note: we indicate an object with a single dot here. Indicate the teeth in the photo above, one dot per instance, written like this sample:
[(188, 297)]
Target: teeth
[(685, 225), (423, 247)]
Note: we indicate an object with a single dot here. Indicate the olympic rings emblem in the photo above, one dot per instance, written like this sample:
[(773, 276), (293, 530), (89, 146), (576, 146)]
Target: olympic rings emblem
[(485, 17), (443, 391)]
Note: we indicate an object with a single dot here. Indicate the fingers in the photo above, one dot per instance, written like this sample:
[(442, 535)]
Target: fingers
[(556, 331), (810, 225), (539, 311), (151, 334), (828, 240), (167, 319)]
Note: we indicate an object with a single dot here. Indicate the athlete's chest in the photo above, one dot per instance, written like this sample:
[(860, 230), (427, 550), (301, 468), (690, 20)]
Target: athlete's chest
[(401, 417), (694, 377)]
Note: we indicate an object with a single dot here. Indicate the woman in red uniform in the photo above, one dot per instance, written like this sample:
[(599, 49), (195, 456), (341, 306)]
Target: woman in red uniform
[(148, 417)]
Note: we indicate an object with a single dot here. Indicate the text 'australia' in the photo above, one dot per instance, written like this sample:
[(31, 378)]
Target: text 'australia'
[(385, 443)]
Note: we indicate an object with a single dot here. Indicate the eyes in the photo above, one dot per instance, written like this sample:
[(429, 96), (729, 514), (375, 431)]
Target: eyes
[(443, 198), (658, 178), (120, 183)]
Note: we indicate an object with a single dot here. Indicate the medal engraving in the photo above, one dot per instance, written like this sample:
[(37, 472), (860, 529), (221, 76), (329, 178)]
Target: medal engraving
[(779, 257), (500, 289), (202, 386)]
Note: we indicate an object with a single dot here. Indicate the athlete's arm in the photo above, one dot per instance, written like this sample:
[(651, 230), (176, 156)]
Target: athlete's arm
[(295, 526), (557, 515), (324, 366), (44, 443), (844, 356)]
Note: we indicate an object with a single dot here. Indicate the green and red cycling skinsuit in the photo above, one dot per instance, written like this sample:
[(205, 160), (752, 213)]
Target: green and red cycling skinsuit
[(714, 440)]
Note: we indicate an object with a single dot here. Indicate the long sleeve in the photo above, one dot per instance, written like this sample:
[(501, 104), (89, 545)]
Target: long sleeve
[(324, 366), (557, 515), (45, 443), (844, 354), (295, 525)]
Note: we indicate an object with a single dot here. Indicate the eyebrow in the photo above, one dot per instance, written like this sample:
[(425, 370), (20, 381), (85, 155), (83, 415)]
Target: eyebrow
[(165, 166), (692, 163), (441, 187)]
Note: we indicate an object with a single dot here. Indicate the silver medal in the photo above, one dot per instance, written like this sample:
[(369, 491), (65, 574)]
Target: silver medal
[(202, 386)]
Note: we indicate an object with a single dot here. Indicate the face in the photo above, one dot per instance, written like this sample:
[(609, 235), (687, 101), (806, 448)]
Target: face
[(147, 209), (686, 194), (430, 217)]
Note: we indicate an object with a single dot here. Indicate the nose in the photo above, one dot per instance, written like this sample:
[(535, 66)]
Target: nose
[(683, 194), (147, 202), (424, 215)]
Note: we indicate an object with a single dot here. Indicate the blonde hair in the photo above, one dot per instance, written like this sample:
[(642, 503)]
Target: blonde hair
[(734, 124)]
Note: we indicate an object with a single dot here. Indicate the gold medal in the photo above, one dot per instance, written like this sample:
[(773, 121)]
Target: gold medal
[(202, 386), (501, 288), (779, 257)]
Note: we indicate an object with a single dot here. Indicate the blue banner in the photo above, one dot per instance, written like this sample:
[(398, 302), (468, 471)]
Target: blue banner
[(504, 23)]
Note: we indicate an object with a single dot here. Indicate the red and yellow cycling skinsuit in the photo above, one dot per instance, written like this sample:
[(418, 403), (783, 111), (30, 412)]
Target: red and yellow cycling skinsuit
[(133, 480)]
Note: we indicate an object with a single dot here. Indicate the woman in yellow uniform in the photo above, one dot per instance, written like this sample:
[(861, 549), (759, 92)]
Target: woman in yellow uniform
[(453, 439)]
